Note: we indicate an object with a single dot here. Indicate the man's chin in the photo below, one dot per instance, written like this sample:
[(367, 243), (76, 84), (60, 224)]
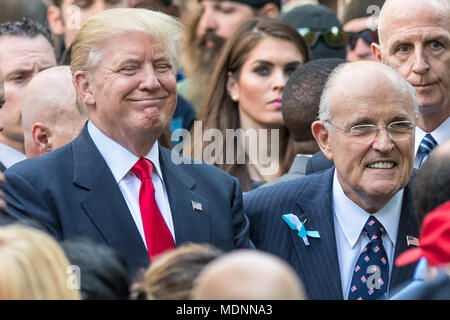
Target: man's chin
[(429, 101)]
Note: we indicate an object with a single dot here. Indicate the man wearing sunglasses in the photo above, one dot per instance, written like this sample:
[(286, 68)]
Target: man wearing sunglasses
[(360, 24), (415, 39), (321, 29)]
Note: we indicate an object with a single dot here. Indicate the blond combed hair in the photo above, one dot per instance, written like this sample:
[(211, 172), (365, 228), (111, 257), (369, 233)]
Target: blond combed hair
[(163, 29), (32, 266)]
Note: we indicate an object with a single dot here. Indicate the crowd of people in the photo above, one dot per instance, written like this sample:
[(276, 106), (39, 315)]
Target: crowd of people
[(238, 149)]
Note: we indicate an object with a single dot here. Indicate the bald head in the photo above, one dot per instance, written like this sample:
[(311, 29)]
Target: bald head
[(49, 117), (405, 11), (248, 275), (365, 82)]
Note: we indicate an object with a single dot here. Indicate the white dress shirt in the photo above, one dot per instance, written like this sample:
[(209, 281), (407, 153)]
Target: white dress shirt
[(441, 134), (349, 220), (120, 161), (10, 156)]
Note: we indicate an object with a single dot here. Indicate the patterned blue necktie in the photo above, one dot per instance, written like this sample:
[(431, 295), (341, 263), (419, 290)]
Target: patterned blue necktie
[(428, 143), (371, 274)]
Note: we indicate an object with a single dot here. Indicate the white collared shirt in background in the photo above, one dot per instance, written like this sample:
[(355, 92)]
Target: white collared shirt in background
[(349, 220), (10, 156), (441, 135), (120, 161)]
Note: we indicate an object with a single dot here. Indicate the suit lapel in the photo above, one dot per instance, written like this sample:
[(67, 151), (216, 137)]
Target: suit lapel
[(2, 167), (319, 261), (407, 226), (191, 223), (103, 201)]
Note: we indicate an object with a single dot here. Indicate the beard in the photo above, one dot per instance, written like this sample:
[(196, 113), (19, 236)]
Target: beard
[(204, 59), (208, 48)]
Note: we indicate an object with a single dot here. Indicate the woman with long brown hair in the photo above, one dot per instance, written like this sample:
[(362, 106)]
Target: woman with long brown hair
[(245, 93)]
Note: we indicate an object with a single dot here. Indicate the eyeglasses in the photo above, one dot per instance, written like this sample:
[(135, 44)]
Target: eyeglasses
[(397, 130), (369, 36), (334, 36)]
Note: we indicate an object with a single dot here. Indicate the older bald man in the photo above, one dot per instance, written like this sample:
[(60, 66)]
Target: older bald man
[(49, 117), (415, 39), (361, 208)]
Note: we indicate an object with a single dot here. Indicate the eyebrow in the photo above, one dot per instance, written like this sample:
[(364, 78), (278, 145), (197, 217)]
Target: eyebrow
[(266, 62)]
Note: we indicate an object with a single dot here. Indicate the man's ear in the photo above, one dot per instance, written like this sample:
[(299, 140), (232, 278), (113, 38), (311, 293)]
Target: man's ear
[(270, 10), (322, 137), (233, 88), (42, 137), (81, 82), (54, 18), (376, 51)]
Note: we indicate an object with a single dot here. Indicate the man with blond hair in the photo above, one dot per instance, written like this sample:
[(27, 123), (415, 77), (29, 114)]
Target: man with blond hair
[(114, 184)]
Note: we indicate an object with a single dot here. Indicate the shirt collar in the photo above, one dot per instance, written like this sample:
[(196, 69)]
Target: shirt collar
[(352, 218), (440, 134), (10, 156), (119, 159)]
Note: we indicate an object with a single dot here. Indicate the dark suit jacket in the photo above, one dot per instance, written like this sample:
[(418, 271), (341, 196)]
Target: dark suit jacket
[(318, 162), (72, 193), (310, 198), (2, 167)]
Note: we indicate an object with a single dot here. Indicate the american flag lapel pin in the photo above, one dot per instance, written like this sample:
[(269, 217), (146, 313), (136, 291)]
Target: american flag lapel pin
[(196, 206), (412, 241)]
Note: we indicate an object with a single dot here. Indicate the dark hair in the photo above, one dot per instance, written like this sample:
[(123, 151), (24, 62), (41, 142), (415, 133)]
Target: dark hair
[(220, 111), (58, 3), (26, 28), (432, 184), (172, 275), (103, 274), (301, 96), (359, 9)]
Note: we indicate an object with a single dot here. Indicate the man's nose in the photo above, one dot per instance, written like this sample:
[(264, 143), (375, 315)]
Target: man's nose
[(207, 22), (149, 80), (383, 141), (420, 64)]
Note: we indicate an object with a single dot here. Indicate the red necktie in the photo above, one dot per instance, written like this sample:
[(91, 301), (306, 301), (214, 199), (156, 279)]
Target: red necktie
[(157, 234)]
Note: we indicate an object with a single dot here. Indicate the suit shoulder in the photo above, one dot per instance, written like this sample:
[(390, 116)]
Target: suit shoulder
[(42, 165), (292, 188), (196, 167), (287, 195)]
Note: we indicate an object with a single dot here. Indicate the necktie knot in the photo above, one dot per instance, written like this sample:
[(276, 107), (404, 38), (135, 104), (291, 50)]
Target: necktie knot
[(143, 169), (373, 228), (428, 143), (426, 146)]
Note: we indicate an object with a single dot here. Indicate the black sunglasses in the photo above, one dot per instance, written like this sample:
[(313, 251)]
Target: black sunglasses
[(334, 36), (369, 36)]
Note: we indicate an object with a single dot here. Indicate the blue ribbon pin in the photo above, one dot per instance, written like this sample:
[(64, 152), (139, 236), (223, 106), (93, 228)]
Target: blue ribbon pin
[(295, 224)]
